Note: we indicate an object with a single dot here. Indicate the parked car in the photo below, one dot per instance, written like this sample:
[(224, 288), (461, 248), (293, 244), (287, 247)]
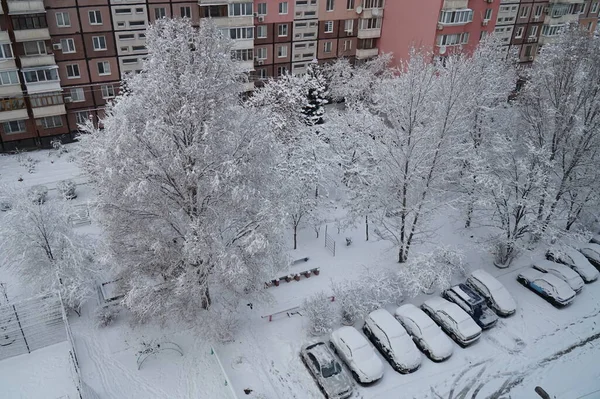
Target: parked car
[(592, 253), (5, 204), (563, 272), (427, 335), (358, 354), (595, 239), (548, 286), (576, 261), (472, 303), (327, 371), (453, 320), (497, 297), (388, 335)]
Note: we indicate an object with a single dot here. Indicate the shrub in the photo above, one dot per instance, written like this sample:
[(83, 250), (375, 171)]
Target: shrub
[(319, 310), (38, 194), (105, 316), (66, 188)]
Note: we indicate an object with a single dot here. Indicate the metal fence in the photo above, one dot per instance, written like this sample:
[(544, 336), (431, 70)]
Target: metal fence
[(329, 242)]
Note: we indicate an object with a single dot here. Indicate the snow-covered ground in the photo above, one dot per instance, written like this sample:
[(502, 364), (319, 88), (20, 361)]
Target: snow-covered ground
[(556, 349), (41, 374)]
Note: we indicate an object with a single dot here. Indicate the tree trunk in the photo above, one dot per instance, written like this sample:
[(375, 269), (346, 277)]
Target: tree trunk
[(295, 235), (367, 227), (206, 301)]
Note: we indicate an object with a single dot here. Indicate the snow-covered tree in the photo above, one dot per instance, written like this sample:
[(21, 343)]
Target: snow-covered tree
[(189, 189), (319, 310), (40, 245), (316, 95)]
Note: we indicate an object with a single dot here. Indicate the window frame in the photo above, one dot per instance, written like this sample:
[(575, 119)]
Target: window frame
[(96, 39), (97, 17), (283, 8), (64, 24), (103, 63), (185, 14), (80, 94), (329, 5), (67, 41), (281, 27), (20, 122), (106, 90), (328, 27), (73, 67)]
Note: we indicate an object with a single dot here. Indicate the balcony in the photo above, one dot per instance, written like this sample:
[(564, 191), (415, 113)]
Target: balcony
[(455, 4), (13, 115), (233, 22), (52, 110), (28, 61), (4, 38), (27, 35), (240, 44), (567, 1), (547, 39), (565, 19), (10, 90), (362, 54), (372, 13), (25, 7), (369, 33)]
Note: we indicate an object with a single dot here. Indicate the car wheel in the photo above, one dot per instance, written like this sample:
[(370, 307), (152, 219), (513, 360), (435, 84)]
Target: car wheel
[(332, 346), (355, 376)]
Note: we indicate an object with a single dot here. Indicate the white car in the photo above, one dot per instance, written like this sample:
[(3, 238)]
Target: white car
[(328, 373), (497, 297), (592, 253), (358, 354), (595, 239), (563, 272), (548, 286), (392, 341), (425, 333), (454, 321), (576, 261)]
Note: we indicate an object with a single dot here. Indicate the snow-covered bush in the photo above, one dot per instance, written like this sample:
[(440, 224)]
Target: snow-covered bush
[(28, 162), (66, 188), (433, 270), (38, 194), (319, 310), (106, 315), (59, 147)]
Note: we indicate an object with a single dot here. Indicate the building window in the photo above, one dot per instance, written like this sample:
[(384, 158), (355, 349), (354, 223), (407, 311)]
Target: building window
[(240, 9), (108, 91), (243, 54), (262, 73), (327, 47), (77, 94), (281, 70), (329, 5), (35, 48), (63, 20), (82, 117), (138, 48), (262, 8), (14, 127), (5, 51), (349, 26), (329, 27), (46, 100), (141, 35), (552, 30), (524, 12), (130, 60), (482, 34), (519, 32), (283, 7), (533, 31), (41, 75), (372, 4), (128, 36), (137, 23), (488, 14), (186, 12), (456, 17), (67, 45), (369, 23), (11, 104), (9, 78), (120, 24), (350, 5), (160, 12), (528, 51), (261, 53), (95, 17), (73, 71), (347, 45), (103, 68), (241, 33), (282, 30), (122, 10), (29, 22), (99, 43), (594, 8), (538, 11), (50, 122), (261, 32), (453, 40), (139, 10), (281, 51)]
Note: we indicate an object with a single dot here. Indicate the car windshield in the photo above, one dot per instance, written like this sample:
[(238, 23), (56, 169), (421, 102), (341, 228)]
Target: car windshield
[(331, 369)]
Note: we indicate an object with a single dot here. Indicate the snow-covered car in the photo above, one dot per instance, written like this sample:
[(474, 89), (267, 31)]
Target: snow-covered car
[(5, 204), (472, 303), (428, 336), (592, 253), (576, 261), (327, 371), (563, 272), (595, 239), (548, 286), (496, 295), (454, 321), (358, 354), (396, 346)]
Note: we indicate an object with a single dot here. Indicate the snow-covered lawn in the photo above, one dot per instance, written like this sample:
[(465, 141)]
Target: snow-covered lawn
[(41, 374)]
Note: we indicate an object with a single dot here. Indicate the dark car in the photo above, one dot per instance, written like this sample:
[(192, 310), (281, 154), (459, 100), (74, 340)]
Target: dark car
[(472, 303)]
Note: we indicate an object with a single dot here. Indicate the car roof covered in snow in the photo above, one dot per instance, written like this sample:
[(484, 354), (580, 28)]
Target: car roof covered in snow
[(531, 274), (451, 309), (562, 269), (467, 294), (321, 352), (592, 247), (387, 322), (351, 337), (487, 279), (414, 313)]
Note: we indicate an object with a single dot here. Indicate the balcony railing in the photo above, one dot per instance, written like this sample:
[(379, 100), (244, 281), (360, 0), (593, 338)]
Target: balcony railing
[(369, 33), (25, 7), (362, 54), (28, 61)]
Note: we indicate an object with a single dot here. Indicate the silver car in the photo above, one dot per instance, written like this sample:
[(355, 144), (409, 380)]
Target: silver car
[(327, 371)]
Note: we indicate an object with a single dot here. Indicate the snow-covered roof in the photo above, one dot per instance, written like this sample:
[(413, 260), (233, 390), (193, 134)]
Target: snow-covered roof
[(387, 322), (414, 313), (531, 274), (562, 269), (592, 247), (321, 353), (467, 294), (351, 337), (451, 309), (487, 279)]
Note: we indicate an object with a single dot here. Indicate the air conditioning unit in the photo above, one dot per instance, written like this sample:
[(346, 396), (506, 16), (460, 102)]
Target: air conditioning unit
[(68, 99), (255, 14), (484, 22), (530, 58), (546, 10), (261, 62), (261, 19), (536, 17), (440, 26), (489, 1), (57, 46), (531, 39)]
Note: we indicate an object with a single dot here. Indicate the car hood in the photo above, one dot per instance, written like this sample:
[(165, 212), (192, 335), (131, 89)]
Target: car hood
[(488, 317), (468, 328), (504, 300), (587, 271), (371, 366), (590, 253), (575, 282), (405, 352), (439, 344), (563, 291), (337, 384)]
